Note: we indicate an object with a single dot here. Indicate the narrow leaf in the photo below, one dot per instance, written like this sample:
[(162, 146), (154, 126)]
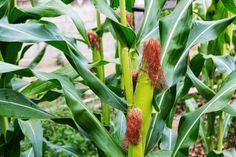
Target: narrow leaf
[(34, 131), (16, 105), (190, 121)]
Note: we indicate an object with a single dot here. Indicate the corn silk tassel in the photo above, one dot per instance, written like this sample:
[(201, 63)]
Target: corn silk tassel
[(94, 42), (150, 76)]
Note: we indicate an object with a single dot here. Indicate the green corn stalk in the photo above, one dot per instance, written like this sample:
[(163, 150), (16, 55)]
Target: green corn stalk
[(216, 47), (101, 75), (126, 62)]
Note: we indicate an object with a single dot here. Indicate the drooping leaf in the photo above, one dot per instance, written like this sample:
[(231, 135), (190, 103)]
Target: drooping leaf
[(202, 31), (224, 64), (187, 83), (39, 86), (47, 32), (16, 105), (51, 8), (81, 114), (189, 122), (96, 85), (34, 131), (203, 89), (67, 148)]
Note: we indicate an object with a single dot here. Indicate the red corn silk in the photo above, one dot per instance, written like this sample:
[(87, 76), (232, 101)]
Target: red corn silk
[(93, 39), (133, 129), (129, 18), (134, 75), (152, 64)]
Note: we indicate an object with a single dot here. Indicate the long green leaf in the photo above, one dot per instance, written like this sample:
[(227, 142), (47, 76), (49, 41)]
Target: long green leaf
[(203, 89), (82, 116), (96, 85), (16, 105), (39, 86), (51, 8), (34, 131), (47, 32), (163, 103), (202, 31), (68, 149), (190, 121), (174, 31), (224, 64), (149, 25)]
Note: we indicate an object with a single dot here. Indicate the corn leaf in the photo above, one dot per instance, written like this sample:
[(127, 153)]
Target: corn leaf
[(81, 114)]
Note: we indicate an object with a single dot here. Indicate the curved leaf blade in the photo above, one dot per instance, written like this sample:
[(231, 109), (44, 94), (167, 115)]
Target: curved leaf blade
[(68, 149), (224, 64), (174, 31), (82, 116), (16, 105), (149, 25), (34, 131), (203, 89), (51, 8), (35, 32), (190, 121), (202, 31)]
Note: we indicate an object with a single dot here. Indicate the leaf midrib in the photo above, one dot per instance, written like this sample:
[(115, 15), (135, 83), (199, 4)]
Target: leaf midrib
[(173, 30), (178, 146), (13, 103)]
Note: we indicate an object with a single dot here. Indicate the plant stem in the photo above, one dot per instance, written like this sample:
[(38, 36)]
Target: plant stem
[(126, 62), (121, 76), (4, 126), (101, 74), (122, 12), (220, 132), (128, 83)]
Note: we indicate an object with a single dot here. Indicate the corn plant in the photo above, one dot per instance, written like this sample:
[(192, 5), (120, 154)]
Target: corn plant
[(154, 74)]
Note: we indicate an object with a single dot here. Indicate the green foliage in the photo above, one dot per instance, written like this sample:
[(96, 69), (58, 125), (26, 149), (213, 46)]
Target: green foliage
[(31, 125)]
